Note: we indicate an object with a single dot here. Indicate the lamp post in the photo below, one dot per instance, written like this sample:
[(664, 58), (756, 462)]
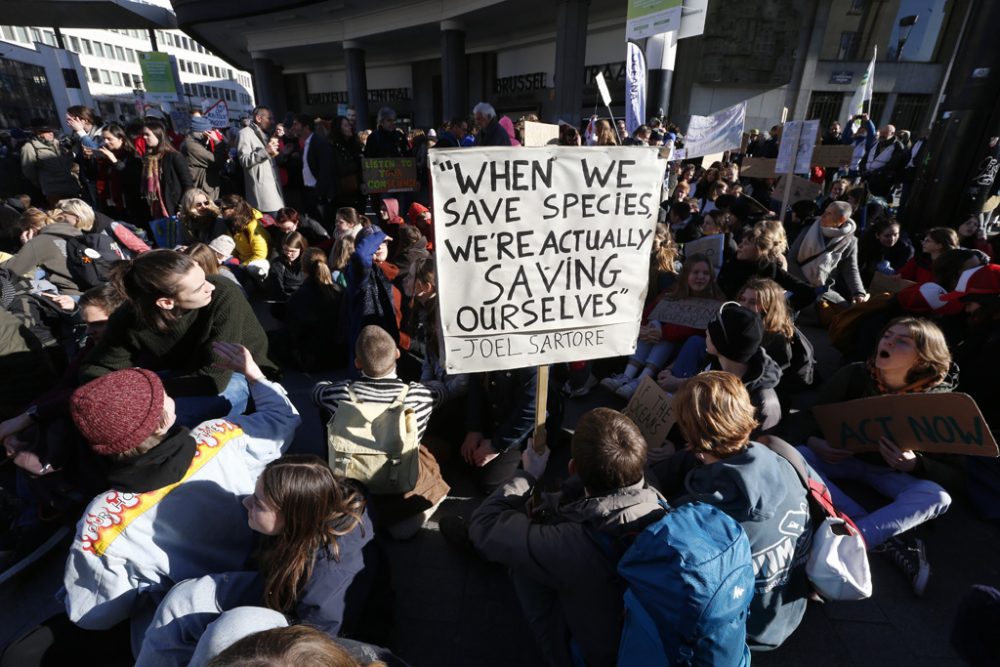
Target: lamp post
[(905, 27)]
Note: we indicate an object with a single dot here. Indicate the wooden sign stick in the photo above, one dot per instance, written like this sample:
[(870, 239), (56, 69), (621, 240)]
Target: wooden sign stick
[(541, 405)]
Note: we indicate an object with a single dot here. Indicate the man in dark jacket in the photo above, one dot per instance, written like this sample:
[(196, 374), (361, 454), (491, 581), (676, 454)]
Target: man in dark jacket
[(490, 132), (566, 584), (883, 163), (387, 140), (319, 185), (757, 488), (206, 156)]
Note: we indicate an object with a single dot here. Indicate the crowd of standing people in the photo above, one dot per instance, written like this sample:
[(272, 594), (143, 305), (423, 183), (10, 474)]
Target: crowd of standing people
[(155, 286)]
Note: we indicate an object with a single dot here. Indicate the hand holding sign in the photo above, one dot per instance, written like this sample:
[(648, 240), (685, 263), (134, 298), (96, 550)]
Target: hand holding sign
[(939, 423)]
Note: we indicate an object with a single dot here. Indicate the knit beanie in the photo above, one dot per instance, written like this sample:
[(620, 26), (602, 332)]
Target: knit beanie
[(200, 124), (117, 411), (736, 332)]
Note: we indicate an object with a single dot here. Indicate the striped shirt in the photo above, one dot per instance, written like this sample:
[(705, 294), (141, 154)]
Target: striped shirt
[(421, 399)]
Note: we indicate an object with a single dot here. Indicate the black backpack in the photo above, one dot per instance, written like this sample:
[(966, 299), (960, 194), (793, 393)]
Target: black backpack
[(89, 258)]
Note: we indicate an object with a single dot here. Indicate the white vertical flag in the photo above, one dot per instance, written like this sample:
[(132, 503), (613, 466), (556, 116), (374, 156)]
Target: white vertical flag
[(635, 88), (865, 88)]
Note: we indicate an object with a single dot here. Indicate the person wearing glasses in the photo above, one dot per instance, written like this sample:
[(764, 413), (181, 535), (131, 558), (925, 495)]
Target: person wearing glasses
[(201, 217), (825, 255)]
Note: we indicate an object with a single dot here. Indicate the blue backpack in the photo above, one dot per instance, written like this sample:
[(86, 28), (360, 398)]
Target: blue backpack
[(690, 581)]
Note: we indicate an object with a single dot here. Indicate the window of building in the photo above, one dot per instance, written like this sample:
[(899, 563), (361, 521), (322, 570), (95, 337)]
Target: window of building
[(70, 77), (910, 111), (825, 106), (8, 33), (204, 69), (116, 78), (126, 79), (187, 43), (22, 34), (26, 94), (49, 37), (87, 48), (36, 35), (74, 44), (857, 6), (93, 76), (846, 49), (130, 55), (105, 76), (877, 107), (120, 53), (98, 49)]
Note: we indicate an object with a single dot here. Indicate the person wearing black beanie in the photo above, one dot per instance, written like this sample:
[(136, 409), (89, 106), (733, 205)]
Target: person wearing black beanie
[(734, 339)]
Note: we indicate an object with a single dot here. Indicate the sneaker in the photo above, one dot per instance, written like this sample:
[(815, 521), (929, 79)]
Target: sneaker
[(570, 392), (455, 531), (611, 383), (627, 389), (910, 556)]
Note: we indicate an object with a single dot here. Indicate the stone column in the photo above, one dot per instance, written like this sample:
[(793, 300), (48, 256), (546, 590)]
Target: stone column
[(571, 49), (454, 72), (357, 82), (269, 86)]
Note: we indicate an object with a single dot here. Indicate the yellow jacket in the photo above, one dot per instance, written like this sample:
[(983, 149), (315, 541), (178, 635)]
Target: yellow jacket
[(251, 243)]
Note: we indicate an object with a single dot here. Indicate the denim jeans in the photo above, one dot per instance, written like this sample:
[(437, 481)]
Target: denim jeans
[(914, 500), (691, 358), (193, 410), (654, 355)]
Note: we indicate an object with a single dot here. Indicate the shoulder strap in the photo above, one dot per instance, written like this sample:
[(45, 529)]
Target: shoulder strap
[(402, 397), (790, 454)]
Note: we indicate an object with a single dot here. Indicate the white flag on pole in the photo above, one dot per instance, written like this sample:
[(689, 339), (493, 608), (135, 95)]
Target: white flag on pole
[(865, 88), (635, 88), (722, 131)]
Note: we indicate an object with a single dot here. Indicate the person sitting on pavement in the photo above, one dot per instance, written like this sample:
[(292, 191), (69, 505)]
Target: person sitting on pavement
[(757, 488), (375, 356), (173, 315), (659, 341), (317, 560), (567, 586), (173, 510), (911, 357), (825, 255)]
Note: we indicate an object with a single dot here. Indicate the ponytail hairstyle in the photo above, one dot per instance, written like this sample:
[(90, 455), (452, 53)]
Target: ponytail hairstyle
[(774, 311), (318, 508), (151, 276), (664, 250), (313, 262)]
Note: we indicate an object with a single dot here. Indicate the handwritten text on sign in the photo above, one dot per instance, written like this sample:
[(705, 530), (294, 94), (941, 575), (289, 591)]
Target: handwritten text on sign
[(542, 253), (691, 312), (942, 423), (397, 174), (652, 410)]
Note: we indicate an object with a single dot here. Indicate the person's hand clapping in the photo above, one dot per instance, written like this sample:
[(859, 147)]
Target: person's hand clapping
[(106, 152), (237, 358)]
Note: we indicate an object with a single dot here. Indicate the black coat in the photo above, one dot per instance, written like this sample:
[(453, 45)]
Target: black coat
[(175, 180), (320, 161), (493, 135), (387, 144)]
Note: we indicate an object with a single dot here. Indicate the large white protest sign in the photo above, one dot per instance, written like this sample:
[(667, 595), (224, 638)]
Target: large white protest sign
[(542, 253), (722, 131), (798, 139)]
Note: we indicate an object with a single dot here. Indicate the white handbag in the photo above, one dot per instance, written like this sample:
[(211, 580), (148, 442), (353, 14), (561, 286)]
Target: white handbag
[(838, 561)]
